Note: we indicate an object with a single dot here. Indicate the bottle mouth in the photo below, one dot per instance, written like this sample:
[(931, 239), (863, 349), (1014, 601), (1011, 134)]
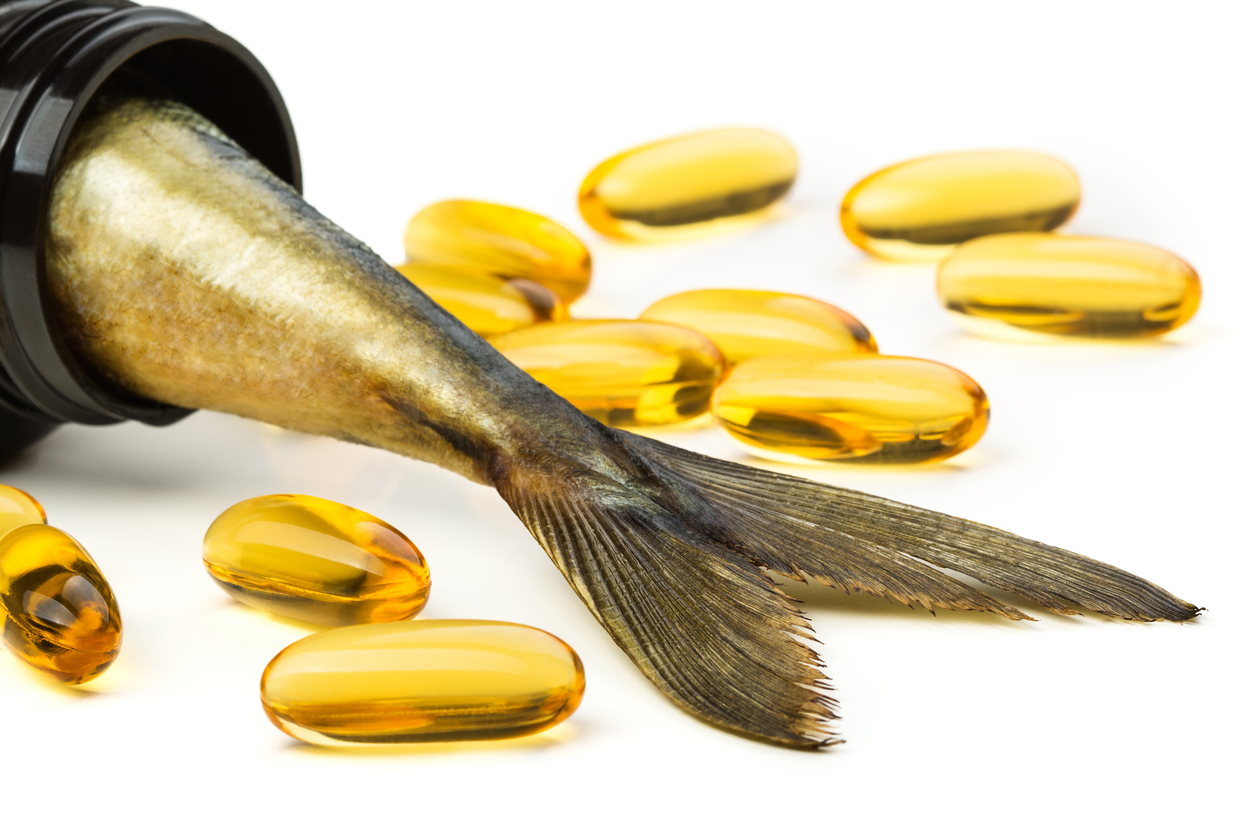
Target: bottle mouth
[(54, 56)]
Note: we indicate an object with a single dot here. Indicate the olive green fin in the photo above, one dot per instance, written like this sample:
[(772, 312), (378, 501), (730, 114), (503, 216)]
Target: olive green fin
[(711, 630), (856, 541)]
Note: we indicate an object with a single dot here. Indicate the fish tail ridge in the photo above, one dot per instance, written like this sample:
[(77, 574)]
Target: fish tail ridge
[(673, 552), (865, 543)]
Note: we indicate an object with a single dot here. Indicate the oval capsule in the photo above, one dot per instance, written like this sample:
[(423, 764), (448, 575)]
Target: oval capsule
[(485, 304), (621, 372), (921, 209), (759, 323), (18, 508), (1069, 285), (422, 681), (501, 241), (63, 620), (694, 183), (864, 409), (315, 560)]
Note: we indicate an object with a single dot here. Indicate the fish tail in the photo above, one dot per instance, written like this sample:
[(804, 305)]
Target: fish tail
[(672, 552)]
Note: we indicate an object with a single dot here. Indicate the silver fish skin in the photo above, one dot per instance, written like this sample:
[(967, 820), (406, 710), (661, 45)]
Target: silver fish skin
[(184, 272)]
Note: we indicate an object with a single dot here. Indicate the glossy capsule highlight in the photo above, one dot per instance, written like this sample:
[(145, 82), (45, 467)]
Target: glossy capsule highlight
[(500, 241), (422, 681), (863, 409), (697, 183), (62, 620), (17, 507), (315, 560), (1068, 285), (921, 209), (621, 372), (760, 323), (486, 304)]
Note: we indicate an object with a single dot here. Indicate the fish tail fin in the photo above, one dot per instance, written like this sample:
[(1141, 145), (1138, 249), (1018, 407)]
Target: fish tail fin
[(671, 551), (711, 630)]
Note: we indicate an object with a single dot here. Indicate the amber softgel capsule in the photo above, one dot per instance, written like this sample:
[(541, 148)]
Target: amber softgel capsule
[(62, 618), (1068, 285), (865, 409), (921, 209), (759, 323), (17, 507), (621, 372), (696, 183), (486, 304), (422, 681), (315, 560), (500, 241)]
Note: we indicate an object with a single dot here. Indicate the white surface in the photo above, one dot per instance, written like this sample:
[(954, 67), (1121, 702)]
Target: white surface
[(1135, 453)]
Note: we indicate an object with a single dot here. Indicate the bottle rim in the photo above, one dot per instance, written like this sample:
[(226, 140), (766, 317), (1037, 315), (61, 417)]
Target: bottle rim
[(54, 56)]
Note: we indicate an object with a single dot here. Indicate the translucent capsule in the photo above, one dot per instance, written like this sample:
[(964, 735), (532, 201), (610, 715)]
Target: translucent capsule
[(422, 681), (621, 372), (18, 508), (694, 183), (62, 617), (500, 241), (486, 304), (921, 209), (315, 560), (1054, 284), (757, 323), (849, 407)]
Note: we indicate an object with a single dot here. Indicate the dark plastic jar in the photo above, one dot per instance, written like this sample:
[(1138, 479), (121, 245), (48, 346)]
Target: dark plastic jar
[(54, 56)]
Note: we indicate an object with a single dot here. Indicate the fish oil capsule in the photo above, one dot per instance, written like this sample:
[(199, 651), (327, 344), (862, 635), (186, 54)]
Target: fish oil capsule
[(758, 323), (621, 372), (422, 681), (500, 241), (62, 617), (921, 209), (18, 508), (855, 408), (694, 183), (485, 304), (1071, 285), (315, 560)]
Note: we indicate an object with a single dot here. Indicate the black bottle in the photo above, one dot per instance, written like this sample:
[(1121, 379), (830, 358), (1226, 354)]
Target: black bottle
[(54, 56)]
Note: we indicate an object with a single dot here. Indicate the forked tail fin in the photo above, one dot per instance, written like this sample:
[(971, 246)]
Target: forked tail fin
[(671, 555)]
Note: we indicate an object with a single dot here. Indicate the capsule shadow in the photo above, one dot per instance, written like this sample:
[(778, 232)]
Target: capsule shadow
[(532, 743)]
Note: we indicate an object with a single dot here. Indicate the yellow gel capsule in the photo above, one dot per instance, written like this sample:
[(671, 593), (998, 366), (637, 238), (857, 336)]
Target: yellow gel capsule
[(921, 209), (315, 560), (853, 408), (1054, 284), (62, 618), (621, 372), (500, 241), (485, 304), (694, 183), (422, 681), (759, 323), (18, 508)]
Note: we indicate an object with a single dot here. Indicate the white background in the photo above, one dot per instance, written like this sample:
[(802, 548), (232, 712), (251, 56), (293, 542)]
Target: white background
[(1136, 453)]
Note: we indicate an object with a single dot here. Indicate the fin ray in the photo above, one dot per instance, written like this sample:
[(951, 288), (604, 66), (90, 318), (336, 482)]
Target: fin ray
[(705, 624), (852, 533)]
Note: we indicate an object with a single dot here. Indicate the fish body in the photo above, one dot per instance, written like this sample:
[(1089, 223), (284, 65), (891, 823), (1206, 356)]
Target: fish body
[(184, 272)]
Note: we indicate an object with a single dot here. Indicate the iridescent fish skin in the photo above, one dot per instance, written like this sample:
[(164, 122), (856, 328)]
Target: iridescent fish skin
[(186, 273)]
